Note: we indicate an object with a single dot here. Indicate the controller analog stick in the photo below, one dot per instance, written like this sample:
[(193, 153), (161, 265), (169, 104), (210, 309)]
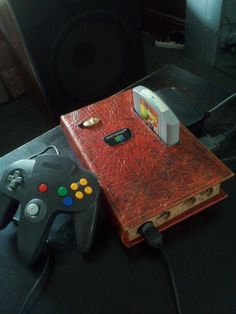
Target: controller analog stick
[(32, 209)]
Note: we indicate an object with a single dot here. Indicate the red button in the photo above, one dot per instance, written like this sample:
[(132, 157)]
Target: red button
[(43, 188)]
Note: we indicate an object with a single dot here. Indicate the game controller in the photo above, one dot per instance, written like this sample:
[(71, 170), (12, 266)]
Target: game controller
[(44, 187)]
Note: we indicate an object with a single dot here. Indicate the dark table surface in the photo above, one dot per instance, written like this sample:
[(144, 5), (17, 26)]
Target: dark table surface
[(114, 279)]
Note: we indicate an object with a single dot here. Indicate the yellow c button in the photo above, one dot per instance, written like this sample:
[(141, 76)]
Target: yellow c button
[(83, 181), (74, 186), (79, 195), (88, 190)]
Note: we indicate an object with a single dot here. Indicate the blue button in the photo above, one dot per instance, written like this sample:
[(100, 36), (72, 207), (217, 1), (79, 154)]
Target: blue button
[(68, 201)]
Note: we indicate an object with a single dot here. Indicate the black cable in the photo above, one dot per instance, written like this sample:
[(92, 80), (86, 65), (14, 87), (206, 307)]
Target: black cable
[(213, 143), (228, 39), (225, 125), (39, 284), (172, 279), (229, 23), (154, 240), (44, 151), (228, 158), (230, 132), (223, 102)]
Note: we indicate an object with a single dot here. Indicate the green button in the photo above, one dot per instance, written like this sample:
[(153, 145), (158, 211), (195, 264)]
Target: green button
[(62, 191)]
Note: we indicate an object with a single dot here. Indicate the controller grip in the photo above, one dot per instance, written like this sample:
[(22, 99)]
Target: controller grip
[(31, 238), (85, 226), (8, 208)]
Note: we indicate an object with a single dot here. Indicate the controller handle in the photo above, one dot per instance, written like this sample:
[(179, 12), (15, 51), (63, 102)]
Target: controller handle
[(85, 225), (33, 232), (8, 207), (10, 185)]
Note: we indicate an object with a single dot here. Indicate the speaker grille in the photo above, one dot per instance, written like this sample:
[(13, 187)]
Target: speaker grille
[(91, 55), (82, 51)]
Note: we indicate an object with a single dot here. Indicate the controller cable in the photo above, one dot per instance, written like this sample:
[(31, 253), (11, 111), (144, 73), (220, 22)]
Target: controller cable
[(41, 281), (44, 276), (154, 239), (39, 284), (44, 151)]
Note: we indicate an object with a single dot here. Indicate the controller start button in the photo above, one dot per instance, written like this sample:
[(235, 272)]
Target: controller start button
[(43, 188), (62, 191)]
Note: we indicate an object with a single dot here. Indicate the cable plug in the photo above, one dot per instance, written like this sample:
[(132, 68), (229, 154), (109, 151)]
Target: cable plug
[(154, 239), (213, 142), (151, 235)]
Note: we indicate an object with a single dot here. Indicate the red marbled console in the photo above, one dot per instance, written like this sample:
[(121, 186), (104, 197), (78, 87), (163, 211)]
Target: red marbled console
[(143, 179)]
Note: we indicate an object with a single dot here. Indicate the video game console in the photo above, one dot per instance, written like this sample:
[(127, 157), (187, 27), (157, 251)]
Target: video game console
[(149, 166), (45, 187)]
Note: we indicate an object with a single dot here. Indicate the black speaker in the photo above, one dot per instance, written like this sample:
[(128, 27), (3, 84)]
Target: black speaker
[(82, 51)]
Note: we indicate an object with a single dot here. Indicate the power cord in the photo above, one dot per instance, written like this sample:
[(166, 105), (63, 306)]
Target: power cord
[(154, 239), (214, 142)]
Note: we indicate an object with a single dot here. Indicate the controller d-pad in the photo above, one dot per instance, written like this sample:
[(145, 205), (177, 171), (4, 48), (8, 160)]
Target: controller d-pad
[(15, 179)]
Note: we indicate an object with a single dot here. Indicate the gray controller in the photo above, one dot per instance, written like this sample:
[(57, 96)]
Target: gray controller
[(46, 186)]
